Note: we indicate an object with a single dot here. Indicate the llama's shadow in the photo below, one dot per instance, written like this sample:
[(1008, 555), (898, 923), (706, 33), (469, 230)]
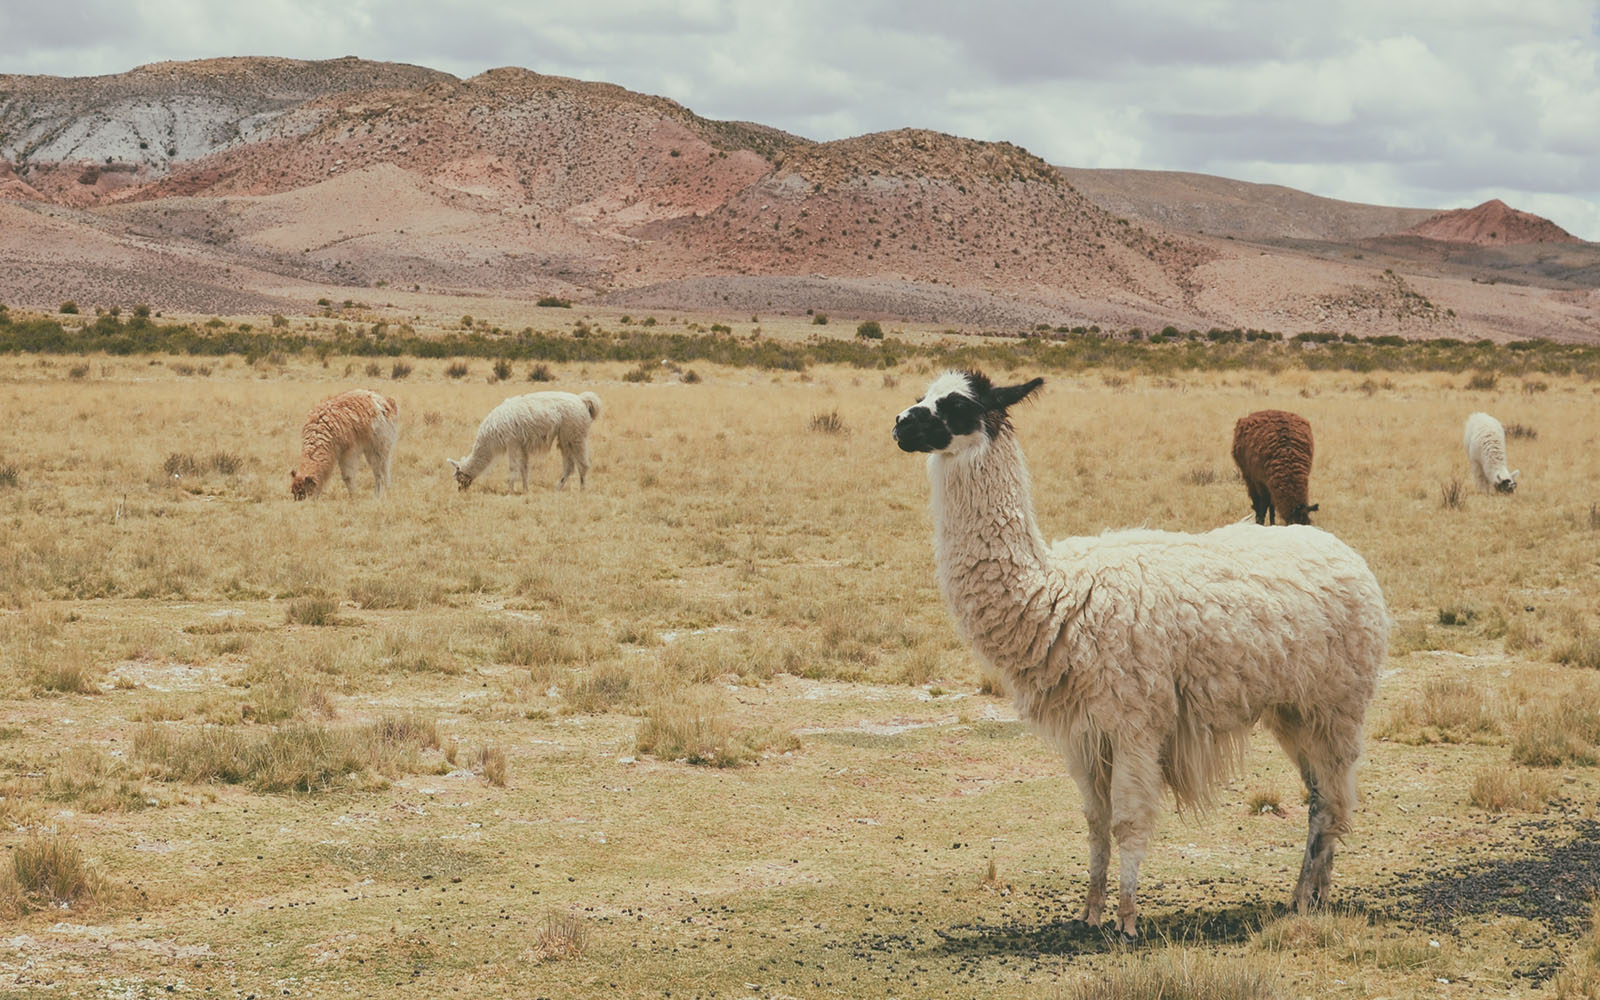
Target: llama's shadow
[(1065, 938)]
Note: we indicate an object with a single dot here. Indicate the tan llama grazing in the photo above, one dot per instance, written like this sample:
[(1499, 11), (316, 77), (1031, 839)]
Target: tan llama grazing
[(339, 431)]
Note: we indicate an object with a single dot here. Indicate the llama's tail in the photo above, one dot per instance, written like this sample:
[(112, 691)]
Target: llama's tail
[(591, 401)]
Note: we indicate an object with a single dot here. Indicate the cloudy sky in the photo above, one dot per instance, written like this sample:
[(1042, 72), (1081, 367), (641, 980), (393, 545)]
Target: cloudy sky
[(1422, 103)]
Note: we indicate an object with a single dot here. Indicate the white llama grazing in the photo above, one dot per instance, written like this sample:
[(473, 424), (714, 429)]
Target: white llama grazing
[(1146, 657), (339, 431), (528, 425), (1486, 453)]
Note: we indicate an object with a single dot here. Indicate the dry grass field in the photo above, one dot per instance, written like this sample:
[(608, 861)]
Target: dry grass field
[(704, 729)]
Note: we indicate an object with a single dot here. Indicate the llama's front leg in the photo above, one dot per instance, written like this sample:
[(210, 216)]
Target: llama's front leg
[(1093, 776), (1135, 798), (516, 465), (348, 467)]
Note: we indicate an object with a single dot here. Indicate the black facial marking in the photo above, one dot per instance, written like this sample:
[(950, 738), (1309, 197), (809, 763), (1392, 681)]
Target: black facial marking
[(959, 413)]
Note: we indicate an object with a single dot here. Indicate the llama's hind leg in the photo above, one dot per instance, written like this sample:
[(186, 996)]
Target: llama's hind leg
[(1327, 762), (1135, 799), (378, 462), (1093, 774)]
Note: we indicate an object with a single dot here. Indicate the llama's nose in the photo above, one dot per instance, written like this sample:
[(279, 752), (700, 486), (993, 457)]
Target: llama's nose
[(894, 432)]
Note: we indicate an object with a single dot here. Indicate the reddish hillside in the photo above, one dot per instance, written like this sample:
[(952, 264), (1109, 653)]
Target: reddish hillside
[(1494, 223), (931, 208)]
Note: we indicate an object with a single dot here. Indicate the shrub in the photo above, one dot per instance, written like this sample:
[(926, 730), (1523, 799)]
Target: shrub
[(300, 758), (466, 322), (641, 373), (828, 423), (694, 727), (10, 476), (501, 369), (47, 871), (553, 302), (870, 330), (312, 611), (1450, 495), (181, 463), (69, 307), (562, 935), (456, 369), (1484, 381), (492, 760), (373, 369), (1500, 789), (820, 319), (399, 371), (78, 371), (541, 373)]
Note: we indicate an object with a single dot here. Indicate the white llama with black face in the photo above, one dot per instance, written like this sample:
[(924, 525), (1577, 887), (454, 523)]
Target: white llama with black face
[(1146, 657)]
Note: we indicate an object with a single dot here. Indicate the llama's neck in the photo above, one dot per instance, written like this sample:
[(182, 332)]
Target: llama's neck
[(994, 568), (483, 452)]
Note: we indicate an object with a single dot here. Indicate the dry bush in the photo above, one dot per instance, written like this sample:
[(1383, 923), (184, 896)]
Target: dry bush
[(605, 687), (541, 373), (394, 591), (1451, 496), (48, 871), (300, 758), (562, 935), (1200, 476), (71, 676), (456, 369), (276, 695), (492, 762), (1353, 940), (693, 726), (312, 611), (1500, 788), (1264, 801), (828, 423), (1179, 973), (1443, 710)]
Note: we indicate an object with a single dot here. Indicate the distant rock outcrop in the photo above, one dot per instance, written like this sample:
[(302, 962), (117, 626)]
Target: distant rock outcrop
[(1494, 223)]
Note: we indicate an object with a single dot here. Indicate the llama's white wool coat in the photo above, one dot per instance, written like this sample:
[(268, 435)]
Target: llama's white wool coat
[(528, 425), (340, 431), (1146, 656), (1486, 453)]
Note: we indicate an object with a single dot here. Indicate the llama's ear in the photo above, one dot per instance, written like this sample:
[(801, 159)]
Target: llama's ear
[(1006, 396), (454, 464), (1313, 508)]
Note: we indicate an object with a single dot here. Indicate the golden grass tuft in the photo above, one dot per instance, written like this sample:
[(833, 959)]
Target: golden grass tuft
[(1442, 710), (312, 611), (1179, 973), (1354, 940), (298, 758), (1499, 788), (694, 726), (492, 762), (563, 935), (48, 871)]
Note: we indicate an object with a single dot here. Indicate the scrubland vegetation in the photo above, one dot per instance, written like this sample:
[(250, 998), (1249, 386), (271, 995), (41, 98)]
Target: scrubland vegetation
[(705, 727)]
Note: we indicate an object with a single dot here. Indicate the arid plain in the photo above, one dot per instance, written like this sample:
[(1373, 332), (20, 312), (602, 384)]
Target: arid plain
[(704, 728)]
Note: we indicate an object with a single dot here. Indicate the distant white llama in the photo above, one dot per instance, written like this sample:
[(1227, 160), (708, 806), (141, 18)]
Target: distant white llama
[(1486, 453), (528, 425), (338, 432), (1145, 657)]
